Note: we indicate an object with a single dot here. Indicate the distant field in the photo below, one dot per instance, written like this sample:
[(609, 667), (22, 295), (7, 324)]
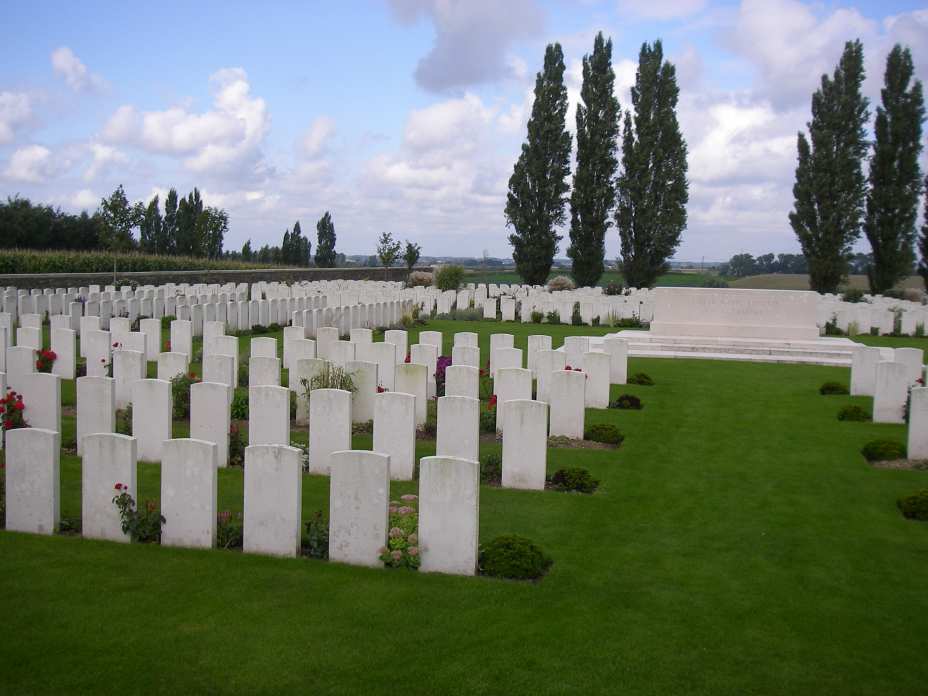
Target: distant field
[(796, 281), (669, 279)]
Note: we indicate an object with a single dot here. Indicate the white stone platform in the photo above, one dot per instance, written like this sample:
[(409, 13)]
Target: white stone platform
[(820, 351)]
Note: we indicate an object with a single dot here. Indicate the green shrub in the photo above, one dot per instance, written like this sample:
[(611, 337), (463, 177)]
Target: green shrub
[(514, 557), (449, 277), (832, 388), (914, 507), (831, 328), (329, 377), (316, 541), (236, 445), (573, 479), (714, 283), (243, 373), (560, 282), (553, 317), (853, 295), (142, 526), (853, 413), (629, 323), (575, 318), (627, 401), (240, 405), (603, 432), (180, 394), (613, 289), (537, 317), (124, 421), (641, 379), (883, 451), (487, 421), (491, 469), (468, 314), (419, 279), (229, 530)]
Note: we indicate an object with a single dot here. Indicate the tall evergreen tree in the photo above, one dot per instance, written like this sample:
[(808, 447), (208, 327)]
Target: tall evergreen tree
[(325, 242), (213, 224), (830, 188), (593, 194), (150, 228), (652, 189), (189, 225), (895, 177), (247, 253), (538, 185), (168, 241), (923, 242)]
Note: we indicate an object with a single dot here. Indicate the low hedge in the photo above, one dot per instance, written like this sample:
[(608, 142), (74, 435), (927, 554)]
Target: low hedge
[(34, 261)]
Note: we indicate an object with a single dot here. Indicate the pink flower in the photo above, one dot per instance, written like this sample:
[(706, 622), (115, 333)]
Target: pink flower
[(118, 486), (413, 539), (396, 533), (413, 550), (409, 496), (382, 550), (405, 510), (396, 555), (392, 509)]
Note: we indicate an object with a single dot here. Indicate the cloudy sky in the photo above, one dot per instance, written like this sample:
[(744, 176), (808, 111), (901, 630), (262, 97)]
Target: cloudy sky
[(407, 115)]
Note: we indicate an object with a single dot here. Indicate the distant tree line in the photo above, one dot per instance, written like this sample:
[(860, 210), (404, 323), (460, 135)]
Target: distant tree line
[(644, 195)]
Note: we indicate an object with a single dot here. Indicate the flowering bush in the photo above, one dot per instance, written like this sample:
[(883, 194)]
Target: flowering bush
[(402, 549), (142, 527), (11, 410), (560, 282), (441, 365), (180, 393), (45, 360)]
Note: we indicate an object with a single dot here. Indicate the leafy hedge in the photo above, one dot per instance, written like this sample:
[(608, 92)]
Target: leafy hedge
[(30, 261)]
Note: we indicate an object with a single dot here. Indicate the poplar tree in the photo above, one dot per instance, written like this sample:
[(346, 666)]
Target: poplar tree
[(830, 189), (923, 242), (652, 188), (895, 177), (150, 228), (593, 195), (325, 242), (538, 185)]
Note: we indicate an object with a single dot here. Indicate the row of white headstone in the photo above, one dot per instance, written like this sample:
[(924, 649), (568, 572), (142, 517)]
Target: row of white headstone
[(359, 497)]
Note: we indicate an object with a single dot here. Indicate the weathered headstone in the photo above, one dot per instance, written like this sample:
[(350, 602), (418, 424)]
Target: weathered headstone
[(359, 497), (449, 515)]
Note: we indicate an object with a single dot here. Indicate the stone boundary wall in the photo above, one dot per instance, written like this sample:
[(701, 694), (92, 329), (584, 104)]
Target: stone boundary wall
[(282, 275)]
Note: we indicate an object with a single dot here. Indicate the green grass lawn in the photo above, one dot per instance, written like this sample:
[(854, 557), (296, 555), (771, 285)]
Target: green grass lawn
[(668, 279), (739, 544)]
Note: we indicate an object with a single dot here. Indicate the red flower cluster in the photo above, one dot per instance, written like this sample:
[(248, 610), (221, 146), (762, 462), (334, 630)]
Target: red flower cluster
[(120, 487), (572, 369), (117, 345), (167, 346), (192, 375), (408, 357), (11, 411), (45, 360), (381, 390), (491, 404)]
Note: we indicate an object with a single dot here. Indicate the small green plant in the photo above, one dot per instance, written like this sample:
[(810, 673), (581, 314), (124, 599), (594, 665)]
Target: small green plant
[(70, 526), (831, 328), (143, 527), (229, 530), (240, 405), (243, 373), (316, 541), (573, 479), (613, 289), (402, 549), (537, 317), (237, 446), (576, 318), (329, 377), (883, 451), (914, 507), (853, 295), (627, 402), (491, 469), (603, 432), (180, 394), (514, 557), (642, 379), (629, 323), (553, 317), (124, 420), (829, 388), (853, 413), (449, 277), (487, 421)]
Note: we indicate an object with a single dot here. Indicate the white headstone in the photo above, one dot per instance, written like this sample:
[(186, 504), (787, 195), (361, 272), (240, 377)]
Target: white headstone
[(617, 349), (412, 378), (525, 444), (264, 371), (268, 414), (462, 380), (64, 346), (359, 498), (395, 432), (918, 423), (597, 368), (273, 500), (329, 426), (567, 403), (364, 375), (128, 367), (449, 515), (96, 407), (109, 459), (511, 383), (210, 418), (42, 396), (458, 427), (152, 405), (33, 481), (189, 482), (892, 390)]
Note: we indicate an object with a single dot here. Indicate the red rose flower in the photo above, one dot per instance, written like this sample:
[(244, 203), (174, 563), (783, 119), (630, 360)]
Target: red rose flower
[(19, 406)]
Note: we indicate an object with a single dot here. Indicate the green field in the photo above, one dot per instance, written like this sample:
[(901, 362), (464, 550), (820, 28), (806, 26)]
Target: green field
[(796, 281), (668, 279), (739, 544)]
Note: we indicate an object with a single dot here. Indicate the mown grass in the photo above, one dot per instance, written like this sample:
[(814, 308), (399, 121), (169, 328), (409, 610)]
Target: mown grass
[(738, 544)]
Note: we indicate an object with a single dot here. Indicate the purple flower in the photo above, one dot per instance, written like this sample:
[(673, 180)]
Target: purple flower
[(409, 496), (405, 510)]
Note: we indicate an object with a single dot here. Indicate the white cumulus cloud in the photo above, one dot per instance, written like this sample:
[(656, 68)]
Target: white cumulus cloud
[(75, 73), (31, 164)]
